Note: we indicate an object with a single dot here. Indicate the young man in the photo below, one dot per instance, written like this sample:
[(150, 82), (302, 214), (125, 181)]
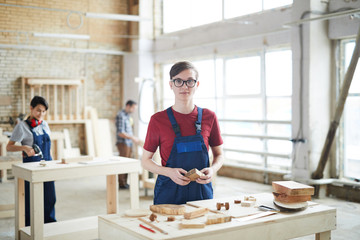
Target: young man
[(124, 136)]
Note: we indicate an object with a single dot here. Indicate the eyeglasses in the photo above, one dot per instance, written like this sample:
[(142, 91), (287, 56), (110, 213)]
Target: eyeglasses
[(179, 82)]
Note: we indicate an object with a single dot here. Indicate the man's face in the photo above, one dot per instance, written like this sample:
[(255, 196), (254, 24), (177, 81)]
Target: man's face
[(131, 109)]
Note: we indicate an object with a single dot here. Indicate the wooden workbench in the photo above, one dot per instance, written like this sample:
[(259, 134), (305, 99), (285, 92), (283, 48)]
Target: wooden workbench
[(54, 170), (316, 219)]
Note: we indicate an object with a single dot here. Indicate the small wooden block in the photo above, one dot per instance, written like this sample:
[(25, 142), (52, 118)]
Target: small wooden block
[(292, 188), (196, 213), (227, 206), (247, 203), (194, 174), (281, 197), (171, 219), (42, 163), (218, 218), (170, 209), (237, 201), (249, 198), (191, 224)]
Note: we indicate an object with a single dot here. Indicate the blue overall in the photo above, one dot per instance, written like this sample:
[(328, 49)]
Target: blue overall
[(187, 152), (43, 141)]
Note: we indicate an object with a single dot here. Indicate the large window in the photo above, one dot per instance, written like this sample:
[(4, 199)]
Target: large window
[(351, 118), (182, 14), (251, 96)]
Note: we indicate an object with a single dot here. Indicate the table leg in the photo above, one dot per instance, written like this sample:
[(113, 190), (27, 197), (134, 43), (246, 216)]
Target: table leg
[(19, 206), (323, 235), (111, 194), (37, 210), (134, 190)]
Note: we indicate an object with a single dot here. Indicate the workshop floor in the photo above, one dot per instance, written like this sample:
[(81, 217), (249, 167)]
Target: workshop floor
[(86, 197)]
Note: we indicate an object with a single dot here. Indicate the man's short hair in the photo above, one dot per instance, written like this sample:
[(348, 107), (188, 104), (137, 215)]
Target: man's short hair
[(130, 103)]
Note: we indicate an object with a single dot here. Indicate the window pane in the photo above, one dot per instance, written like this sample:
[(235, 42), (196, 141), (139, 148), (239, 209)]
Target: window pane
[(269, 4), (243, 76), (247, 159), (279, 108), (182, 14), (355, 83), (279, 163), (235, 8), (205, 11), (243, 108), (279, 146), (207, 85), (173, 15), (241, 128), (352, 138), (281, 130), (278, 73)]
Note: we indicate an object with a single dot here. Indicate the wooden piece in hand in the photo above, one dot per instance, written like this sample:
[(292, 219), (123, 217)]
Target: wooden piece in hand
[(170, 209), (196, 213), (185, 223), (281, 197), (194, 174), (292, 188), (217, 218)]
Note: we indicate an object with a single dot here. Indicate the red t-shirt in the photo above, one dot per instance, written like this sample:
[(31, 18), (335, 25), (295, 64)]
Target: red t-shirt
[(160, 132)]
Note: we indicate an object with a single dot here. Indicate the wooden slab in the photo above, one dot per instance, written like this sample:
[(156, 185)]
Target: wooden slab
[(292, 188), (185, 223), (291, 206), (281, 197), (137, 212), (196, 213), (217, 218), (170, 209)]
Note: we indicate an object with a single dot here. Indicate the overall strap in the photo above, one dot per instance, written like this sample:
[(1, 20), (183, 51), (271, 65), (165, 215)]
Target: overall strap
[(173, 122), (198, 122)]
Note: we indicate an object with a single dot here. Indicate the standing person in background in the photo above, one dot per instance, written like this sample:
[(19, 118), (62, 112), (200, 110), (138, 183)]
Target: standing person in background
[(184, 133), (124, 136), (34, 130)]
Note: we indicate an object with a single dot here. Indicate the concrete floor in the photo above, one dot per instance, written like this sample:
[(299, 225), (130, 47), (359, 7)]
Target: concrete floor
[(86, 197)]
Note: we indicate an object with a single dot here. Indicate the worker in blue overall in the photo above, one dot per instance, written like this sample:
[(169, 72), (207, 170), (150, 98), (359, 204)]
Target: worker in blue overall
[(34, 136), (183, 133)]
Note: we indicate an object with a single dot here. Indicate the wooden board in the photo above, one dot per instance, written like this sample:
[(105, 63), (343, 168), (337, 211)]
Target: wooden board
[(292, 188), (170, 209), (196, 213), (185, 223), (137, 212), (281, 197)]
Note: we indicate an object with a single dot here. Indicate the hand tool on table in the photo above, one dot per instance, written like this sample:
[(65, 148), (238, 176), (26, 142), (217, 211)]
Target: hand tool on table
[(266, 208), (153, 226)]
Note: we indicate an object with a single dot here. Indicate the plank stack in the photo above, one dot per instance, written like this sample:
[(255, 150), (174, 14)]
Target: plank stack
[(291, 192)]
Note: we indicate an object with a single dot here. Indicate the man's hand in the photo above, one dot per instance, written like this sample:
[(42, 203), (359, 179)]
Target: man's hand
[(209, 172), (28, 150), (176, 175)]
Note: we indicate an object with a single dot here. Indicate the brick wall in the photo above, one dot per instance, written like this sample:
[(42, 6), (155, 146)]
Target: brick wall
[(103, 72)]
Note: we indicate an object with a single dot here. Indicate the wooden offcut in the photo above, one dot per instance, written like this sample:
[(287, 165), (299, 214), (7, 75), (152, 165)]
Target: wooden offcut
[(170, 209), (292, 188), (194, 174), (217, 218), (281, 197), (185, 223), (76, 159), (196, 213)]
